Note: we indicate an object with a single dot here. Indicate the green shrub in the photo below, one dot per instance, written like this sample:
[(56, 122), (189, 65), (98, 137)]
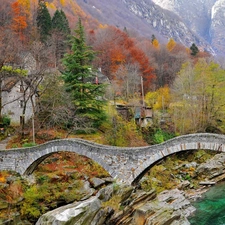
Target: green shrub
[(30, 207), (155, 135), (43, 178), (29, 144), (6, 121), (123, 133), (158, 137), (161, 136)]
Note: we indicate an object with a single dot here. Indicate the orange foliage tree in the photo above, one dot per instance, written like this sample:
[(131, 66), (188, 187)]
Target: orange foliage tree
[(117, 58), (146, 70), (19, 20), (117, 50)]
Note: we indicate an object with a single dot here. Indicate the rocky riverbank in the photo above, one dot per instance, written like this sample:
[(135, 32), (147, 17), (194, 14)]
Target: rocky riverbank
[(123, 205), (67, 189), (128, 205)]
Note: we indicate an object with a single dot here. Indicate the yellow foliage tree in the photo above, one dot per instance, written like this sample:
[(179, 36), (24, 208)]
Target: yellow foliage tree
[(51, 6), (171, 44), (150, 98), (26, 5), (2, 179), (62, 2), (159, 99), (155, 43), (198, 97), (103, 26)]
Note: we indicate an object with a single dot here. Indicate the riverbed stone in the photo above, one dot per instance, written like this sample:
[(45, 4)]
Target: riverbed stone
[(183, 185), (213, 168), (96, 182), (176, 199), (105, 193), (86, 191), (137, 207), (75, 213)]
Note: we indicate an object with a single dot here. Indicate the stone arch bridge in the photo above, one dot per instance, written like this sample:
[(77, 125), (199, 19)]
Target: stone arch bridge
[(124, 164)]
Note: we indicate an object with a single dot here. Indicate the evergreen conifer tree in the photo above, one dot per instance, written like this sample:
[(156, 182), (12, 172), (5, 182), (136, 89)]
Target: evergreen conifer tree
[(194, 49), (79, 80), (44, 22), (60, 22), (65, 22), (153, 38), (60, 32), (57, 22)]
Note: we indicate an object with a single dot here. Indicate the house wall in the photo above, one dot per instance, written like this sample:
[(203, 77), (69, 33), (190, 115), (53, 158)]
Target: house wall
[(14, 109)]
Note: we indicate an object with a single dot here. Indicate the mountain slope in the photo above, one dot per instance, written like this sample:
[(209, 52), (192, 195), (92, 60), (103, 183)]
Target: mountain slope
[(117, 13), (147, 18), (217, 31), (204, 17)]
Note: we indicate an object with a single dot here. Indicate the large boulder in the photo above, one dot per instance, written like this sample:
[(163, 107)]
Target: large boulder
[(213, 167), (78, 213)]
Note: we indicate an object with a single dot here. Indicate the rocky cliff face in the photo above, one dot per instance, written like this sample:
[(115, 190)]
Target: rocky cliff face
[(166, 22), (205, 18), (217, 31), (187, 22)]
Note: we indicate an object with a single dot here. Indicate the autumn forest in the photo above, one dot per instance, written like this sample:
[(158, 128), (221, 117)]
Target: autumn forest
[(182, 85)]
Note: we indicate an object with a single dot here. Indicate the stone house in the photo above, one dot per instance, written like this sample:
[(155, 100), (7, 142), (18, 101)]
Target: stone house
[(13, 100), (13, 97), (143, 116), (24, 61)]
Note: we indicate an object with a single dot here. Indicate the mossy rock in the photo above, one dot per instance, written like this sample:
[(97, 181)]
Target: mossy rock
[(3, 205)]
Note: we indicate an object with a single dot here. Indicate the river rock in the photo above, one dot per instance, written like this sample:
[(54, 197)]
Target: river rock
[(183, 185), (213, 167), (176, 200), (135, 207), (86, 191), (105, 193), (192, 164), (3, 205), (169, 207), (96, 182), (75, 213)]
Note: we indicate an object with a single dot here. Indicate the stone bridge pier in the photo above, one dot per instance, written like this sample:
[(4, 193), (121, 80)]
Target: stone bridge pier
[(126, 165)]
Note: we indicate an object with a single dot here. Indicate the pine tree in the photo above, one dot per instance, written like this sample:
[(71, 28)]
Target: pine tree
[(153, 38), (65, 22), (194, 49), (60, 22), (44, 22), (78, 77), (60, 32), (57, 22)]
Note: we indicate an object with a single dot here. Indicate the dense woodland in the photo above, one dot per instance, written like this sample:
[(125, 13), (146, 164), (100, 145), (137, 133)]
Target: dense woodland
[(182, 85)]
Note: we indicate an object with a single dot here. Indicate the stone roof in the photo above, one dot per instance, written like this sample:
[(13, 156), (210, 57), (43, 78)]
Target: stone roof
[(9, 83)]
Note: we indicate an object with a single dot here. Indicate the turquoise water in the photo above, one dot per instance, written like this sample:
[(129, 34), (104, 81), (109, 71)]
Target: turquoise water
[(211, 209)]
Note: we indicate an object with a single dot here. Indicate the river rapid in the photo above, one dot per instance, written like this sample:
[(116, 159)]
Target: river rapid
[(211, 207)]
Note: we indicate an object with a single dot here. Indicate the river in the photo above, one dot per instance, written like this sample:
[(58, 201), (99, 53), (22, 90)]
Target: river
[(211, 208)]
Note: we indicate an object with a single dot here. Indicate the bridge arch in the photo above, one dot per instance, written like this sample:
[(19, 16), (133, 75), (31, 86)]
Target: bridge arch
[(198, 141), (33, 166), (124, 164), (77, 146)]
